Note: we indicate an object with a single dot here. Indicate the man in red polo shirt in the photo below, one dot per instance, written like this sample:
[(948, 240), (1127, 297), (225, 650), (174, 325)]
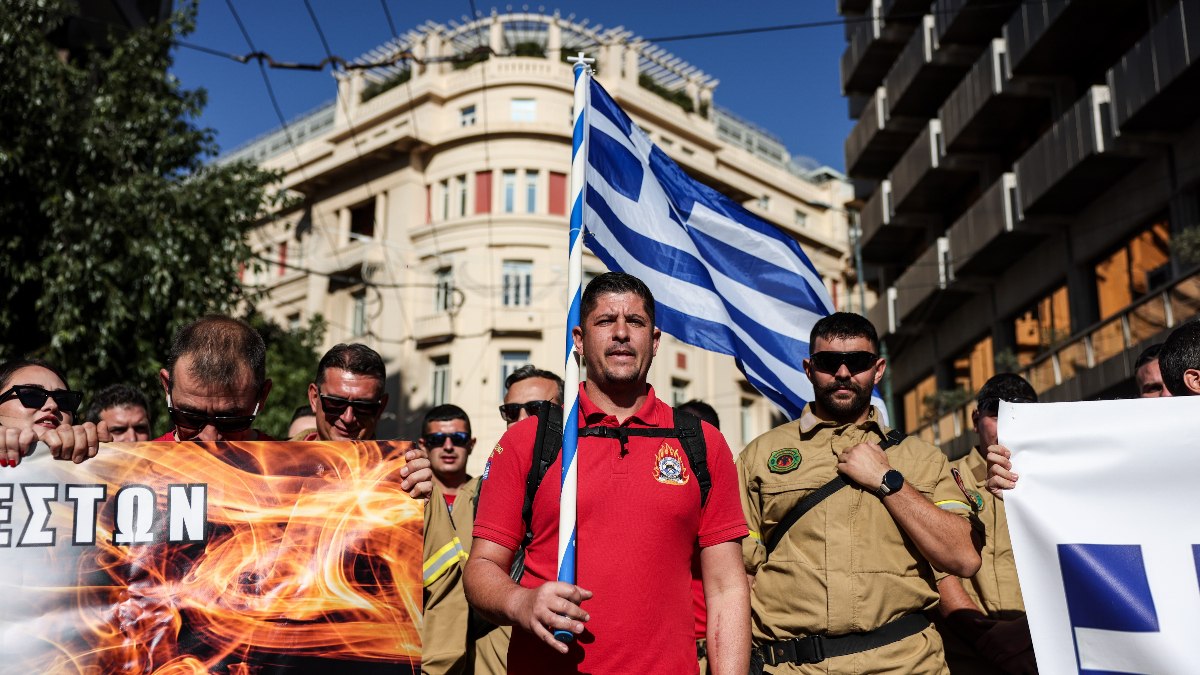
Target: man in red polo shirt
[(638, 525)]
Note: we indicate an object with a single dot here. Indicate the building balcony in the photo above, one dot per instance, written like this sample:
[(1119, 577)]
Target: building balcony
[(1074, 161), (971, 21), (925, 72), (878, 139), (845, 7), (988, 109), (899, 9), (925, 292), (924, 175), (1084, 366), (991, 233), (1072, 37), (886, 234), (873, 45), (1154, 86)]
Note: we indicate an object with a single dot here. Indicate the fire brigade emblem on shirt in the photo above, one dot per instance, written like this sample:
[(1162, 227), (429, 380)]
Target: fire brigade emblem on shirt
[(784, 460), (973, 497), (668, 467)]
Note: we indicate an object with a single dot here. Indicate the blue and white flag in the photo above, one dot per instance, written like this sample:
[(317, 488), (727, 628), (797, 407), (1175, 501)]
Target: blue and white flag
[(723, 279), (1104, 532)]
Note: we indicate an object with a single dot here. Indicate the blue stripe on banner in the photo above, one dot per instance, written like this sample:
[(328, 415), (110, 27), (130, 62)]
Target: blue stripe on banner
[(761, 275), (603, 104), (1107, 588)]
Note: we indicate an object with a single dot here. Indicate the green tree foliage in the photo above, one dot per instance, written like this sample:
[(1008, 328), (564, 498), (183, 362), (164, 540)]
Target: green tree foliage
[(115, 229), (291, 365)]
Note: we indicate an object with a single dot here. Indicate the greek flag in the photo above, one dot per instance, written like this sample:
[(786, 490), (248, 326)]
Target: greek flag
[(723, 279)]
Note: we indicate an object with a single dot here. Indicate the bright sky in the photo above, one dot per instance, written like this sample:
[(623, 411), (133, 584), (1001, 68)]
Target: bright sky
[(785, 81)]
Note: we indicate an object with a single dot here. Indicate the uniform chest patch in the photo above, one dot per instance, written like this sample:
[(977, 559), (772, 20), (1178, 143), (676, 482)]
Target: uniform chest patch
[(669, 467), (784, 460), (973, 497)]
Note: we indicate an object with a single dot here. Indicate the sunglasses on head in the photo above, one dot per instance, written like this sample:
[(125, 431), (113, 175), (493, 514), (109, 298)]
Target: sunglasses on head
[(194, 421), (457, 438), (336, 405), (831, 362), (511, 412), (991, 406), (33, 396)]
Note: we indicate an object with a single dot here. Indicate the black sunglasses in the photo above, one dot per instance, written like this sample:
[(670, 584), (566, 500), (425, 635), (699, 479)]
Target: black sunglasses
[(226, 424), (457, 438), (831, 362), (33, 396), (511, 412), (991, 406), (336, 405)]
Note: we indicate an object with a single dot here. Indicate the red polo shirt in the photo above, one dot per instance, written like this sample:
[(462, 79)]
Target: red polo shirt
[(170, 436), (636, 533)]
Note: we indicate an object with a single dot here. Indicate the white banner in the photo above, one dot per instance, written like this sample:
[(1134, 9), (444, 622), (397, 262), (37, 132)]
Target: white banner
[(1105, 524)]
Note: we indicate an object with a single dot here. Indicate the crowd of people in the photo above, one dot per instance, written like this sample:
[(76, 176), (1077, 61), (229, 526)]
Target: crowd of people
[(833, 543)]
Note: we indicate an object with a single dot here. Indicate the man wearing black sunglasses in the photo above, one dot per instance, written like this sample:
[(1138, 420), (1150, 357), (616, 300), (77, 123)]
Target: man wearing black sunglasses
[(842, 579), (524, 388), (348, 396), (982, 618), (446, 436)]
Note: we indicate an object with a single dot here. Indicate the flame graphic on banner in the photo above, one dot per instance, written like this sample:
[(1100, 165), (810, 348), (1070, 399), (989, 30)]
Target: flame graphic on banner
[(313, 551)]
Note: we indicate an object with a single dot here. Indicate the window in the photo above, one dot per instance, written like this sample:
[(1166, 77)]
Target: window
[(764, 202), (283, 258), (443, 290), (523, 110), (510, 191), (558, 194), (293, 321), (358, 323), (509, 362), (679, 391), (439, 393), (445, 189), (466, 116), (460, 187), (362, 220), (483, 192), (518, 276), (1047, 322), (746, 413), (531, 183), (1130, 272), (974, 367)]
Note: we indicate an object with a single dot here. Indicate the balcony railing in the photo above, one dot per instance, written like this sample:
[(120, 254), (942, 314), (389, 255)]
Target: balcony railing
[(878, 139), (873, 44), (1153, 85), (925, 72), (971, 21), (977, 236), (930, 273), (1109, 339)]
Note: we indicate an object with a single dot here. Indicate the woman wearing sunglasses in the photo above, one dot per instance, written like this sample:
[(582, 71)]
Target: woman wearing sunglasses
[(37, 405)]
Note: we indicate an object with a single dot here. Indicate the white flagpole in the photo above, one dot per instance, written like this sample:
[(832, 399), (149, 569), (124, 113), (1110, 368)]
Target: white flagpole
[(570, 474)]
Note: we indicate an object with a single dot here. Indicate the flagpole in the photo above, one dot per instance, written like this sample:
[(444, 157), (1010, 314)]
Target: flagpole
[(570, 444)]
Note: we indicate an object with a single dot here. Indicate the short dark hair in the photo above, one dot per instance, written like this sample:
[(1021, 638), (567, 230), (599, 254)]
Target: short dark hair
[(1180, 353), (301, 411), (1006, 387), (116, 396), (702, 410), (529, 371), (446, 413), (220, 346), (1148, 355), (615, 282), (844, 325), (9, 368), (354, 358)]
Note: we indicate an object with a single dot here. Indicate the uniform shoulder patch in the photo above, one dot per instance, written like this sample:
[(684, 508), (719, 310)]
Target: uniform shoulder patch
[(669, 467), (973, 497), (784, 460)]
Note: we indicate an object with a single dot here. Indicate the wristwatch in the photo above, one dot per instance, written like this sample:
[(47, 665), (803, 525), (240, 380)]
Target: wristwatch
[(893, 480)]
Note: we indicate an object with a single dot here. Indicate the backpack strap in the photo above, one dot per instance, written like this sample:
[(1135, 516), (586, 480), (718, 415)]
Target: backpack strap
[(893, 437), (691, 436)]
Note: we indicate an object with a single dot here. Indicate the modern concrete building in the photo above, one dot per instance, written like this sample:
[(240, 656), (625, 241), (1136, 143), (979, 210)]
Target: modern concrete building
[(1022, 170), (430, 218)]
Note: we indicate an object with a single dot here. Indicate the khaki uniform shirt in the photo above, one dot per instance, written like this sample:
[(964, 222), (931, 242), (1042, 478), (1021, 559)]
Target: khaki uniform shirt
[(846, 566), (445, 650), (995, 587)]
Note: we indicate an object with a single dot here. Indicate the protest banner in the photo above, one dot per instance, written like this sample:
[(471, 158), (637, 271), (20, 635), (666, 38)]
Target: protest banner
[(211, 557), (1105, 534)]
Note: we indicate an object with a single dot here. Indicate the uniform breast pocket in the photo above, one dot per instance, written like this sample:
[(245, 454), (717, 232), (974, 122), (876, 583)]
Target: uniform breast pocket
[(777, 501)]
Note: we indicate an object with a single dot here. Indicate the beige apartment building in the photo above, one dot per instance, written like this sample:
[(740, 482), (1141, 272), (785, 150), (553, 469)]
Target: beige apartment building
[(430, 219)]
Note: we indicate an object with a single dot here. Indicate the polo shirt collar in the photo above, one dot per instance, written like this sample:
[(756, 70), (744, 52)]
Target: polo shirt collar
[(591, 415)]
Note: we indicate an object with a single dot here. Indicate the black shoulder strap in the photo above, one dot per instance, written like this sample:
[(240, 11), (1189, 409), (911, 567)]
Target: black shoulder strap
[(893, 437), (691, 436), (547, 444)]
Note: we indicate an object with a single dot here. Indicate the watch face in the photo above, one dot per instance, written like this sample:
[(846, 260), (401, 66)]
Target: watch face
[(893, 480)]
